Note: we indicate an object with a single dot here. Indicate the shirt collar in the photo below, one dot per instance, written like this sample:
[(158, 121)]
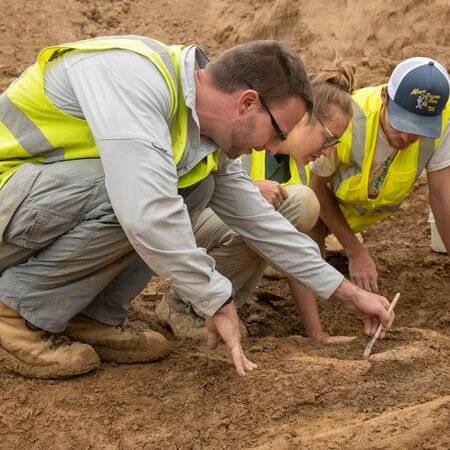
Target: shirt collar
[(192, 58)]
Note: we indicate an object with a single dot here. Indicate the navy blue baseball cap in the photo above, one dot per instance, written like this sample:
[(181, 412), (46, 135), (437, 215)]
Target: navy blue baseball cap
[(418, 93)]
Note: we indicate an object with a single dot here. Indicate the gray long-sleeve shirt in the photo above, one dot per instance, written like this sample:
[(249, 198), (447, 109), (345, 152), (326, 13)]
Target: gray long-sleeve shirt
[(125, 101)]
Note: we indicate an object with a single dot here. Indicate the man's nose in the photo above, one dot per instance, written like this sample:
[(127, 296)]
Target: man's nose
[(409, 138)]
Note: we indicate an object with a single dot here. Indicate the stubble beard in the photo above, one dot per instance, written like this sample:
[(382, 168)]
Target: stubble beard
[(240, 130)]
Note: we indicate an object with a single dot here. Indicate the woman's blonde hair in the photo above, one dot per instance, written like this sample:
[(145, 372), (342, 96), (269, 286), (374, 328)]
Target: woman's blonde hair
[(333, 88)]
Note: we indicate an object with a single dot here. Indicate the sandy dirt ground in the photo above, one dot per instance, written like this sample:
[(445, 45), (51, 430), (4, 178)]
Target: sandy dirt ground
[(303, 395)]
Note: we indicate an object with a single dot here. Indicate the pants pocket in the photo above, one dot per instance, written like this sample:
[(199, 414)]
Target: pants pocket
[(39, 205), (13, 193)]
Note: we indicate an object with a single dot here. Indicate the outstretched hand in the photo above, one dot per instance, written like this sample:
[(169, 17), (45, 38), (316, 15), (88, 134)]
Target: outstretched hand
[(224, 324)]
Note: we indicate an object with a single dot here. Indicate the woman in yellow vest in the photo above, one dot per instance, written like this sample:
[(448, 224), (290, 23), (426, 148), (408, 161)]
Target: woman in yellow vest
[(312, 138), (281, 180)]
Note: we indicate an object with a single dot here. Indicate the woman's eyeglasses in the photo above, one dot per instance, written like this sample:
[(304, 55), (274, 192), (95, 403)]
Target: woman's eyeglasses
[(331, 140)]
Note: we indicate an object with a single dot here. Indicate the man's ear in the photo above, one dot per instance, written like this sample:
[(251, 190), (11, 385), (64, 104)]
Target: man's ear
[(248, 101), (384, 96)]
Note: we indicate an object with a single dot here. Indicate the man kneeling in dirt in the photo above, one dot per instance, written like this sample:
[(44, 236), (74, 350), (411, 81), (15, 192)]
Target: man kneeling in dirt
[(109, 148)]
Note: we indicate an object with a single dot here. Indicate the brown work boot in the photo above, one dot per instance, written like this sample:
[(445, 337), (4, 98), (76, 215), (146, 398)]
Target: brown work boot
[(173, 312), (117, 344), (36, 353), (180, 317)]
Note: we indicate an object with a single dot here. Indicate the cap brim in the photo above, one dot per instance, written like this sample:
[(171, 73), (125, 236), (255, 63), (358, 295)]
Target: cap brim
[(407, 122)]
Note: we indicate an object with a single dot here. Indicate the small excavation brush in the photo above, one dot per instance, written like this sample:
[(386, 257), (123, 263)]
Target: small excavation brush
[(380, 327)]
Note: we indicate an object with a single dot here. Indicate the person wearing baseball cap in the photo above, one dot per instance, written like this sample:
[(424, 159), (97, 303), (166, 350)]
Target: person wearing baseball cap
[(397, 130)]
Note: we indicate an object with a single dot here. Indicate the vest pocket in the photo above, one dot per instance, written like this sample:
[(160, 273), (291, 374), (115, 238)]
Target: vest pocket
[(396, 187)]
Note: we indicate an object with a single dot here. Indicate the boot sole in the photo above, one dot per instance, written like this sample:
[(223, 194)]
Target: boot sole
[(43, 372)]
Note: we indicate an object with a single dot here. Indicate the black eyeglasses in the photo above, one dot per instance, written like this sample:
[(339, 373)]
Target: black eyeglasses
[(330, 141), (281, 136)]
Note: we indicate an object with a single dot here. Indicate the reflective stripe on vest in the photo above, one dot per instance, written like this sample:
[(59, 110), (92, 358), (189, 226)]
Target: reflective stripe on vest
[(299, 173), (356, 152), (32, 129)]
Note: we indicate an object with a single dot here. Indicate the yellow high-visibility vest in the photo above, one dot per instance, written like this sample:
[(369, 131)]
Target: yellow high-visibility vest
[(299, 173), (356, 151), (32, 129)]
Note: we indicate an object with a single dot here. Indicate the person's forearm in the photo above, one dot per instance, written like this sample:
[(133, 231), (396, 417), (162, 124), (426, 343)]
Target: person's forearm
[(346, 292), (442, 219), (306, 305)]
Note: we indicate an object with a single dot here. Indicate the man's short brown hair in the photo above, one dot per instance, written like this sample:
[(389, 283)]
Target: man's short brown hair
[(270, 67)]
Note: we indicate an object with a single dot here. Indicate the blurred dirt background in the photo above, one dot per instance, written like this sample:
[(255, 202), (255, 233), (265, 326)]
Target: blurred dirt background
[(304, 395)]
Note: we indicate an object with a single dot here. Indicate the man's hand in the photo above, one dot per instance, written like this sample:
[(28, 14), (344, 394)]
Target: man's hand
[(363, 271), (225, 324), (272, 191), (370, 308)]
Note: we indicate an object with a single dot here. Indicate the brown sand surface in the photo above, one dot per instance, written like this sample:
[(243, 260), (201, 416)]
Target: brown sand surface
[(304, 395)]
